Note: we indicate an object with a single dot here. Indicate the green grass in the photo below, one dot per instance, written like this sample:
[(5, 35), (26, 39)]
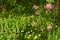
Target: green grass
[(22, 28)]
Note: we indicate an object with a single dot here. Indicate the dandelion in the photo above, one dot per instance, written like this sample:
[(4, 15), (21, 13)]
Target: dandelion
[(49, 27), (28, 31), (28, 37), (35, 37), (31, 30), (39, 35), (35, 7), (48, 6), (22, 30)]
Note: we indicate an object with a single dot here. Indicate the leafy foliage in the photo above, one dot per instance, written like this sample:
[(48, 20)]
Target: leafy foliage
[(21, 20)]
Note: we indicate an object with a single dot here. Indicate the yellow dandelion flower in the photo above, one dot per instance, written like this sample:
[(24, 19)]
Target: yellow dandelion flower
[(39, 35), (31, 30), (28, 31), (28, 37), (22, 30), (35, 37)]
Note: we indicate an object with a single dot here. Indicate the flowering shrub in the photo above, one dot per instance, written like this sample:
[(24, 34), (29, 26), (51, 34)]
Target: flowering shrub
[(29, 20), (49, 6)]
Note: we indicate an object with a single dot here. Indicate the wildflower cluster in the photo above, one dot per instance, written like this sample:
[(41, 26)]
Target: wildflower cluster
[(29, 20)]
